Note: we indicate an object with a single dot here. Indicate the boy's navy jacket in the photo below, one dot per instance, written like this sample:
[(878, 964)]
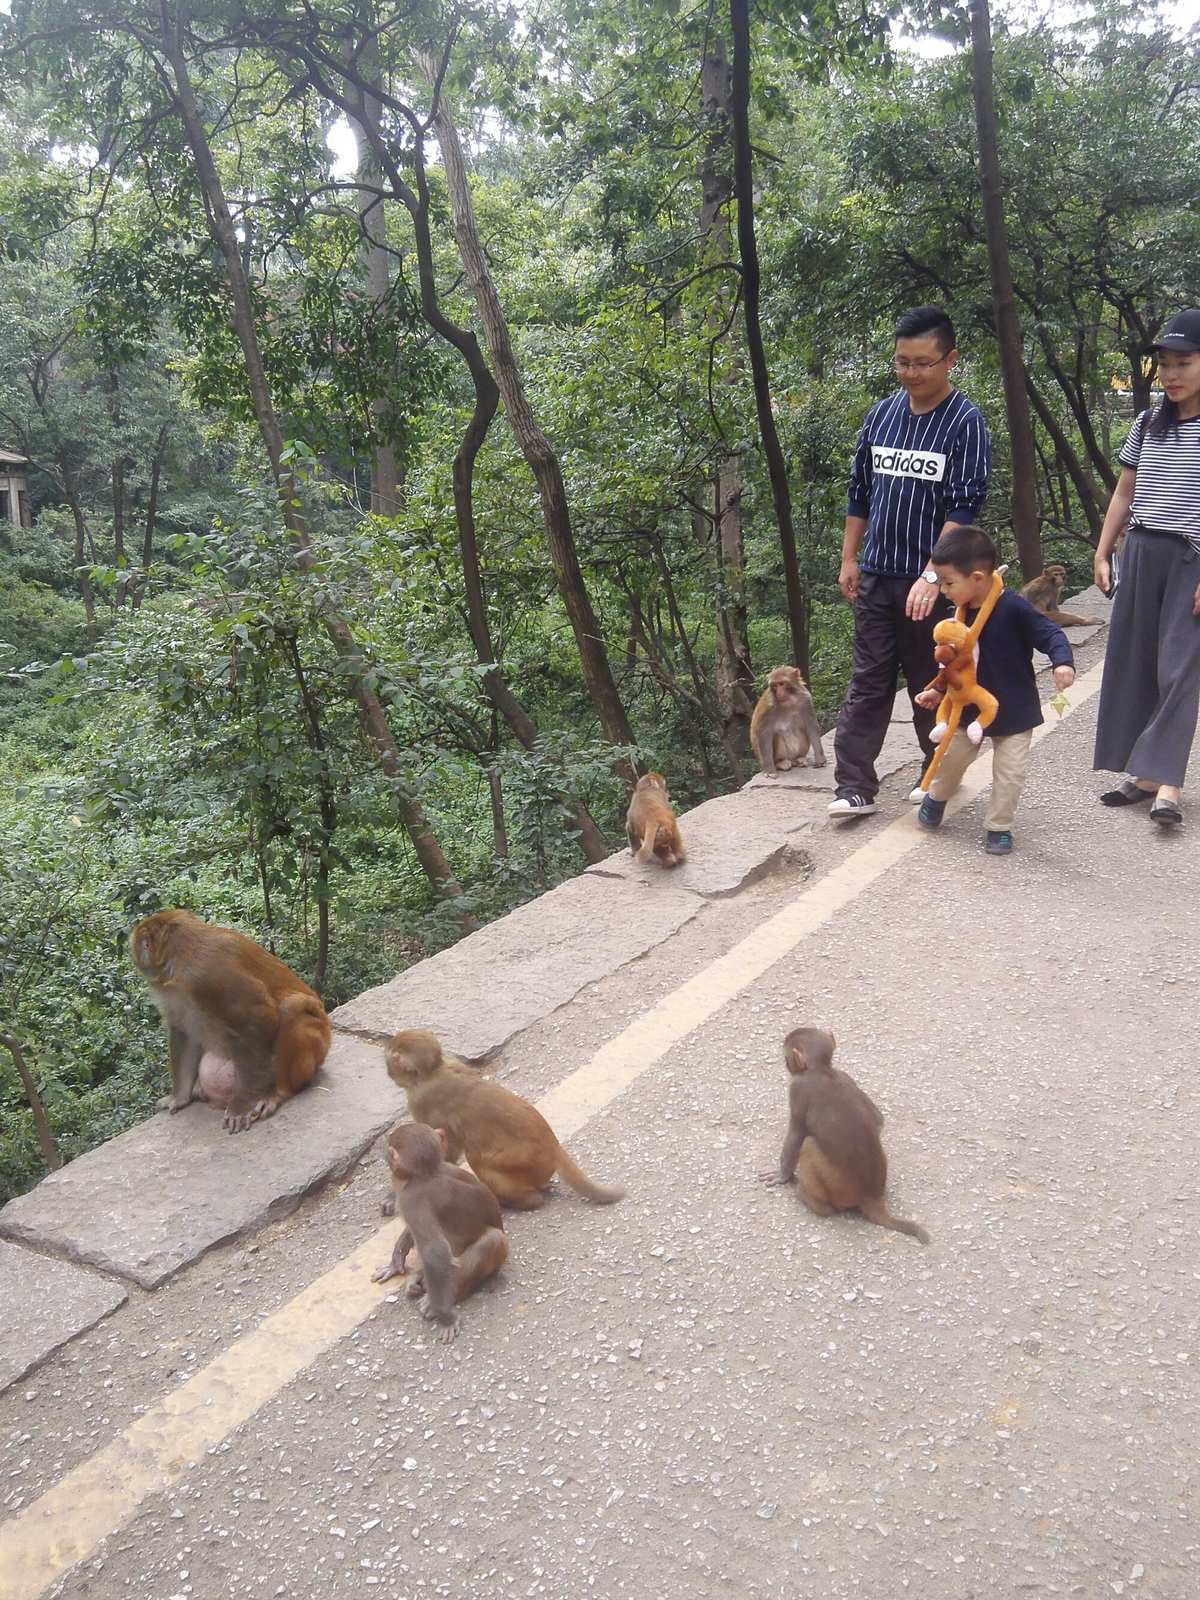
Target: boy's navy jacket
[(1010, 635)]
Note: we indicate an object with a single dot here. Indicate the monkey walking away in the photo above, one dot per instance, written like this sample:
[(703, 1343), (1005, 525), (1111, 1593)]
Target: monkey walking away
[(650, 824), (784, 727), (450, 1217), (507, 1142), (1043, 593), (832, 1138), (245, 1032)]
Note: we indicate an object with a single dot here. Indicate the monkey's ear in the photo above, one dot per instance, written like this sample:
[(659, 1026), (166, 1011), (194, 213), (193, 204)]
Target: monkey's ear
[(440, 1135), (796, 1059)]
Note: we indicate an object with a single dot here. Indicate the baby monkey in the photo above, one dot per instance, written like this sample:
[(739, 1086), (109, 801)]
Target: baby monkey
[(451, 1218), (833, 1136)]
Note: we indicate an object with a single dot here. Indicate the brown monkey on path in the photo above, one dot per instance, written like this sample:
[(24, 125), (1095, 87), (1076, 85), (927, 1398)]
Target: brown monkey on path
[(244, 1030), (650, 824), (451, 1218), (833, 1136), (784, 727), (1043, 592), (508, 1143)]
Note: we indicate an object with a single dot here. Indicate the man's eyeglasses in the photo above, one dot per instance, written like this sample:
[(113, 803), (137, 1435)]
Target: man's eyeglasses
[(900, 365)]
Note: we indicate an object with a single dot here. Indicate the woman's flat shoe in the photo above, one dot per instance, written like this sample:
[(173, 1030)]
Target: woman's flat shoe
[(1170, 816), (1127, 795)]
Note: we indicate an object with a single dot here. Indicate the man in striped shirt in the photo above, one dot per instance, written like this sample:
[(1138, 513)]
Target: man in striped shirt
[(921, 467)]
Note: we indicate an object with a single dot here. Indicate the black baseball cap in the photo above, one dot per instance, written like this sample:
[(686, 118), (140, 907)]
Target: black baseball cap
[(1182, 333)]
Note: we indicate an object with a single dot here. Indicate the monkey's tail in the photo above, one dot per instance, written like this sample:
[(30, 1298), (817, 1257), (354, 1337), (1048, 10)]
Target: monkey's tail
[(582, 1184), (1068, 619), (877, 1211)]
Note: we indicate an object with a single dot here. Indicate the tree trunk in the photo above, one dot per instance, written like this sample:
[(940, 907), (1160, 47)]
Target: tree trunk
[(1025, 520), (1098, 460), (743, 188), (487, 398), (734, 672), (84, 577), (535, 447), (41, 1122), (160, 450), (374, 720), (118, 487), (385, 477), (1084, 487)]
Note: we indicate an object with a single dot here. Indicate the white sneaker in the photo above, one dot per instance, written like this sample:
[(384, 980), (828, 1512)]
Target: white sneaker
[(851, 805), (916, 795)]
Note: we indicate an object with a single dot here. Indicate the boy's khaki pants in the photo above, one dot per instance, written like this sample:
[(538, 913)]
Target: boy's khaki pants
[(1010, 758)]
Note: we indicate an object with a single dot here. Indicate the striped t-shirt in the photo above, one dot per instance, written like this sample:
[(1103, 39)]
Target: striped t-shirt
[(1167, 492), (914, 473)]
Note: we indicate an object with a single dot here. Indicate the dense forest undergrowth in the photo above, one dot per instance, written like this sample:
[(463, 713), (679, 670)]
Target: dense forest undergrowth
[(397, 473)]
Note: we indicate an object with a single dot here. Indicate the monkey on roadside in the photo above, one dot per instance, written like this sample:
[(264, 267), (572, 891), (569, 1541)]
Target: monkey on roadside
[(451, 1218), (508, 1144), (784, 727), (1043, 592), (833, 1136), (650, 824), (244, 1030)]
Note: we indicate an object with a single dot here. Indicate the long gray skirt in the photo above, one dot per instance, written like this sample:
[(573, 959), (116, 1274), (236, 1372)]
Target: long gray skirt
[(1150, 692)]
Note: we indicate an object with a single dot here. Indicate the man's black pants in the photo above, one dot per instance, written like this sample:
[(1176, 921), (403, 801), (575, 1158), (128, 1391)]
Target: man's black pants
[(886, 643)]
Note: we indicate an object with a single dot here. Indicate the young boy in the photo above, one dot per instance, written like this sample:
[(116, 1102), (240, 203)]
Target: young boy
[(964, 560)]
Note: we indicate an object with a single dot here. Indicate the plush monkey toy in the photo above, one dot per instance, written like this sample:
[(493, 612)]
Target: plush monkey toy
[(954, 650)]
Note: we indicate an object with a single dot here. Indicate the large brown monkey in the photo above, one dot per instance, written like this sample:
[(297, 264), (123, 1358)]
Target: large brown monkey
[(451, 1218), (1043, 592), (221, 995), (650, 824), (784, 727), (509, 1144), (833, 1136)]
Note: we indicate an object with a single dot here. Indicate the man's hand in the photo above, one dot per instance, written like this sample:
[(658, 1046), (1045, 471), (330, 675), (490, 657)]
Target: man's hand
[(1064, 677), (848, 580), (928, 699), (920, 600)]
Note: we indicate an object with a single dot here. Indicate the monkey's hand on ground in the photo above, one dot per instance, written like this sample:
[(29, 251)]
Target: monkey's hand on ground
[(382, 1274), (774, 1178), (169, 1103)]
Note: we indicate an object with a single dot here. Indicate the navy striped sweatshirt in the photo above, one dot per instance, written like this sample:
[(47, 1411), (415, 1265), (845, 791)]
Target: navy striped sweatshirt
[(913, 474)]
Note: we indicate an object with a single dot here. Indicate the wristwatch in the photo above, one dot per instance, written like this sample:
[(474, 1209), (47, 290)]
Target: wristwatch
[(930, 577)]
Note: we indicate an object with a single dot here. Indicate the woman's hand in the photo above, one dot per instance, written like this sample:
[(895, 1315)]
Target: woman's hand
[(1102, 573)]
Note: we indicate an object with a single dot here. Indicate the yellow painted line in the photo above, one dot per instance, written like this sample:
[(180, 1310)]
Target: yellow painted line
[(97, 1498)]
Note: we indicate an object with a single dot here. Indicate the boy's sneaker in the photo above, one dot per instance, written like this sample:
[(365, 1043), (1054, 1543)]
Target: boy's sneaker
[(852, 805), (998, 844), (931, 813)]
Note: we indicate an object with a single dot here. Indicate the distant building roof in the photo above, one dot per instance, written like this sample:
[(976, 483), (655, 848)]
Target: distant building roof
[(13, 460)]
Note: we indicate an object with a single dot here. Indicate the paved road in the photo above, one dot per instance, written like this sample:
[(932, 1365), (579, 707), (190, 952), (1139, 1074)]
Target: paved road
[(704, 1389)]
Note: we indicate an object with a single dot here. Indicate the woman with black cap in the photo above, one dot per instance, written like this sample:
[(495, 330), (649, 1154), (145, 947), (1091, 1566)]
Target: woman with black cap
[(1150, 694)]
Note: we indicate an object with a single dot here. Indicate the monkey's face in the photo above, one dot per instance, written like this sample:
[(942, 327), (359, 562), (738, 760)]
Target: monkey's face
[(413, 1151), (785, 684), (411, 1056), (149, 943)]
